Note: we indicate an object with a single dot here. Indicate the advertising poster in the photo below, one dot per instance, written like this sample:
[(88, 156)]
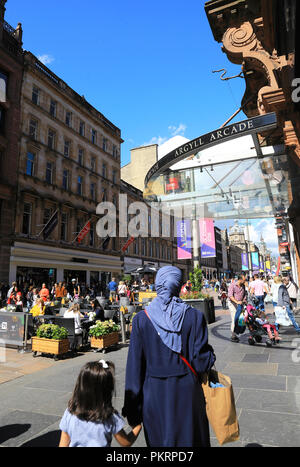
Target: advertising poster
[(255, 261), (245, 262), (184, 240), (268, 266), (261, 265), (207, 238)]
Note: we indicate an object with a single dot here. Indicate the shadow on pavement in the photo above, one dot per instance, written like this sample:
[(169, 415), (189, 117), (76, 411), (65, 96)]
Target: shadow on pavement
[(48, 440), (12, 431)]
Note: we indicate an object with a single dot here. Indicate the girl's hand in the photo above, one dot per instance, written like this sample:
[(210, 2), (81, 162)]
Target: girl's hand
[(64, 440), (127, 440)]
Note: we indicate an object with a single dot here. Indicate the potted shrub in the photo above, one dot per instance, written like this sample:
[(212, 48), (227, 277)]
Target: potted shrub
[(199, 300), (104, 334), (51, 339)]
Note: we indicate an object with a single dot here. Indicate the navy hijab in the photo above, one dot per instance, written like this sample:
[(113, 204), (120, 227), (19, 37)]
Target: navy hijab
[(167, 310)]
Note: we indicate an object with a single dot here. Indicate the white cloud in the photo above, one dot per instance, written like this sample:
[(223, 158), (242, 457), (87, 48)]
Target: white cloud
[(46, 59), (177, 130), (173, 130)]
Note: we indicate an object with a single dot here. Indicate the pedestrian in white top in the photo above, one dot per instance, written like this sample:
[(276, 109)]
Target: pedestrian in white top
[(292, 289), (274, 289)]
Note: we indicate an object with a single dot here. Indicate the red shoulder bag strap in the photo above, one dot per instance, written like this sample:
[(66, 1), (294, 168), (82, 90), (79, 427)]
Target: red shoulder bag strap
[(181, 356)]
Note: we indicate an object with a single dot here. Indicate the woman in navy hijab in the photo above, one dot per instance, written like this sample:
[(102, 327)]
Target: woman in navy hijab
[(161, 391)]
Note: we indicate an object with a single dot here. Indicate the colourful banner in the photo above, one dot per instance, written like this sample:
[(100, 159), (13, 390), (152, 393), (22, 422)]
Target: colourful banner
[(261, 265), (268, 266), (207, 238), (84, 231), (245, 262), (255, 261), (184, 240)]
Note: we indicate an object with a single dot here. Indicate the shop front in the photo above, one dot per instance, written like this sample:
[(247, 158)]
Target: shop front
[(35, 263)]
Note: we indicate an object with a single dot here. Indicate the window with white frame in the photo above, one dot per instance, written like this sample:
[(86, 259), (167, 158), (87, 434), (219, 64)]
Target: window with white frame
[(68, 118), (27, 214), (65, 179), (33, 128), (67, 148), (49, 172), (53, 107), (80, 156), (35, 95), (51, 139)]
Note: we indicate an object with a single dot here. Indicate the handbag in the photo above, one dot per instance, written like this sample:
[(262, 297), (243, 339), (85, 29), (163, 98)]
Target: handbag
[(220, 404)]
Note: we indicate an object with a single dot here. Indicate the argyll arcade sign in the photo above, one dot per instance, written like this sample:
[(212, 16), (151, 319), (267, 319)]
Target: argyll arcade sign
[(246, 127)]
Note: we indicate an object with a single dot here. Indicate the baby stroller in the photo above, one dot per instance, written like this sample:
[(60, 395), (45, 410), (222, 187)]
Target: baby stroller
[(257, 330)]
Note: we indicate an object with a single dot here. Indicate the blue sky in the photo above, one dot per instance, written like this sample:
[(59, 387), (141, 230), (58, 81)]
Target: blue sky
[(147, 66)]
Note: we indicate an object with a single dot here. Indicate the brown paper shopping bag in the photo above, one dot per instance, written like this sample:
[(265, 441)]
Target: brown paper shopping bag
[(220, 408)]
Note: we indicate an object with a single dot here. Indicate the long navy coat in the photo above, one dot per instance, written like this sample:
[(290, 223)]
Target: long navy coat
[(161, 391)]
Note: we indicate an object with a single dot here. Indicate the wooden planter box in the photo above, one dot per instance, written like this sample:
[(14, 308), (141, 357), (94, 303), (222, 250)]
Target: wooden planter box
[(105, 341), (50, 346)]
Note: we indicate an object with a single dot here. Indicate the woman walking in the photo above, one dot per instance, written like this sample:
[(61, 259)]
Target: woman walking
[(160, 390)]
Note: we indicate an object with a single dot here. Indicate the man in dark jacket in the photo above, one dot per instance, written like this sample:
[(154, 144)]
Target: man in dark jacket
[(285, 302)]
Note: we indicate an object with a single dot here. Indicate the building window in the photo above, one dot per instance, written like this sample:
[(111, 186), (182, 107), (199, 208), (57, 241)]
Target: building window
[(93, 191), (93, 164), (35, 95), (67, 147), (115, 151), (80, 157), (104, 194), (114, 200), (157, 249), (104, 170), (64, 226), (136, 246), (68, 118), (82, 128), (2, 121), (104, 144), (49, 172), (3, 86), (150, 248), (51, 139), (53, 108), (169, 254), (114, 176), (79, 185), (144, 253), (30, 164), (92, 235), (94, 136), (33, 126), (47, 215), (65, 180), (27, 212)]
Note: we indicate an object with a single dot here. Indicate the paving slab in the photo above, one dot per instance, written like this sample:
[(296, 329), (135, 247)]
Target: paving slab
[(244, 368), (270, 401)]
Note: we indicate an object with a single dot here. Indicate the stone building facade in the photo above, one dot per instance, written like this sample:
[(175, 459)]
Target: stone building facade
[(153, 248), (11, 67), (69, 162)]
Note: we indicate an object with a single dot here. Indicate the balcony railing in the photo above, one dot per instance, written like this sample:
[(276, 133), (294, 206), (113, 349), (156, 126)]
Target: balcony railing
[(9, 28)]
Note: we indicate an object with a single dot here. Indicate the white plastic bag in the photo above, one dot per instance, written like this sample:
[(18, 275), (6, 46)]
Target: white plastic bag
[(282, 317)]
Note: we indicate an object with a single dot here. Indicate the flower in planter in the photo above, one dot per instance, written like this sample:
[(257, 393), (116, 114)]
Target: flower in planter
[(52, 331), (102, 328)]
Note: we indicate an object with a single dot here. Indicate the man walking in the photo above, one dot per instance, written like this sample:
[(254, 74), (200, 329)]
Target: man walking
[(112, 287), (259, 289), (236, 297)]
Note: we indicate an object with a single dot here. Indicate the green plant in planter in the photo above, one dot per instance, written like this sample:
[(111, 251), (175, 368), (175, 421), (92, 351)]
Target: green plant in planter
[(102, 328), (196, 278), (193, 295), (52, 331)]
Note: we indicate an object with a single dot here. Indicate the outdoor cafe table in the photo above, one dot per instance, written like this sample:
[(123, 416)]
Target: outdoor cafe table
[(146, 295)]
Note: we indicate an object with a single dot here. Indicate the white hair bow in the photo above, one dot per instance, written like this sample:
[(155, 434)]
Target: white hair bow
[(103, 363)]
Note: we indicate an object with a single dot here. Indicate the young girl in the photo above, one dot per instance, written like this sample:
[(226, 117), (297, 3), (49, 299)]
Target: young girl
[(90, 419), (270, 328)]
